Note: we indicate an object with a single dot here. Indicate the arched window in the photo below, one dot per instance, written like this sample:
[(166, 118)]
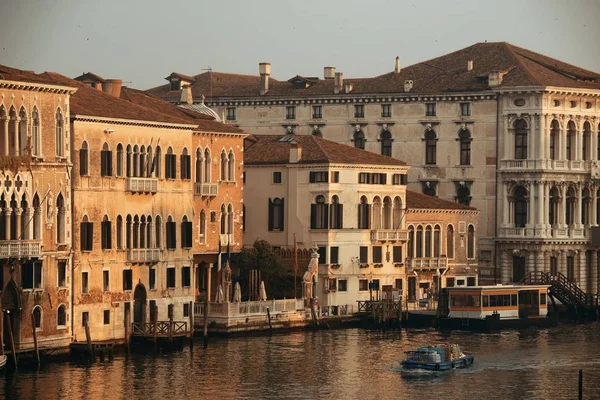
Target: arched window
[(199, 165), (36, 135), (319, 218), (386, 143), (450, 241), (84, 160), (207, 170), (136, 161), (158, 232), (223, 166), (230, 219), (411, 242), (359, 139), (22, 137), (149, 239), (37, 218), (554, 205), (463, 195), (13, 217), (437, 241), (571, 140), (377, 213), (119, 159), (471, 242), (428, 242), (37, 317), (520, 209), (464, 136), (223, 219), (136, 232), (61, 316), (157, 164), (364, 213), (149, 162), (13, 144), (106, 233), (336, 214), (520, 139), (3, 130), (387, 213), (419, 241), (202, 227), (142, 236), (570, 206), (60, 134), (186, 233), (106, 161), (586, 202), (119, 232), (585, 143), (171, 233), (142, 161), (170, 164), (86, 234), (61, 220), (24, 219), (430, 147), (231, 164), (185, 160), (554, 134), (128, 228), (128, 163)]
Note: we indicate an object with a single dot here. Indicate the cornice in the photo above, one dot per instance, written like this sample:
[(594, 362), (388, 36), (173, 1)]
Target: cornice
[(41, 87)]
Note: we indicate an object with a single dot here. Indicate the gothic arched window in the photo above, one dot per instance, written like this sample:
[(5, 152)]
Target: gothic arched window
[(520, 139)]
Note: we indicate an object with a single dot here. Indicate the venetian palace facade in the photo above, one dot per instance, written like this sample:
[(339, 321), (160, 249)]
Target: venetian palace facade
[(506, 130)]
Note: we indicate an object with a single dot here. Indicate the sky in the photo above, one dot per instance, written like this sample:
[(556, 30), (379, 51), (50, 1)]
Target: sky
[(143, 41)]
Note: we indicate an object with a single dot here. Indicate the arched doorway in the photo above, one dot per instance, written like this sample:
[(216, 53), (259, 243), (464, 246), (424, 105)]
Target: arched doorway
[(11, 308), (139, 304)]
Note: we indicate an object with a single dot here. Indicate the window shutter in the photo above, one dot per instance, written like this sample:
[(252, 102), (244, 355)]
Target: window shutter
[(368, 217), (109, 163), (270, 214), (183, 237), (174, 166), (397, 254), (311, 177), (188, 231), (83, 162), (167, 167), (90, 236), (281, 214), (326, 209), (340, 216), (183, 173), (364, 254), (313, 216), (333, 254), (360, 211), (83, 233)]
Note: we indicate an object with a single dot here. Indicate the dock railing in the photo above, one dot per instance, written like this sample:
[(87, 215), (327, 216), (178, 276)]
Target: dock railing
[(163, 328), (248, 308)]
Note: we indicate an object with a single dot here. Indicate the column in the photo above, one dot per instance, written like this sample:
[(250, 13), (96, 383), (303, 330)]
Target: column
[(578, 206), (532, 147), (546, 188), (562, 207), (561, 145), (151, 239), (582, 270), (208, 281), (508, 135), (542, 138), (539, 263), (594, 210), (29, 227), (562, 263), (5, 138), (505, 205), (594, 273), (540, 205), (19, 213), (7, 214), (531, 205), (16, 136), (505, 267), (530, 263)]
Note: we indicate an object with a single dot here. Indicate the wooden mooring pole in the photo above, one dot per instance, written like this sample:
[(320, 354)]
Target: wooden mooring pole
[(580, 392), (206, 310), (191, 324), (127, 338), (35, 342), (314, 313), (155, 328), (12, 341), (88, 338), (1, 332), (269, 317)]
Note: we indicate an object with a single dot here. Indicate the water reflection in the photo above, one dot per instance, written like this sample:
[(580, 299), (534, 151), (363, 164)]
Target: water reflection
[(339, 364)]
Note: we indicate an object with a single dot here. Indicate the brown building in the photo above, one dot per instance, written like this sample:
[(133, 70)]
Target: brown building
[(35, 206)]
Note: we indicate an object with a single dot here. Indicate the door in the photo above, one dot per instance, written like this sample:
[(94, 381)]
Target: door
[(412, 288), (139, 304), (11, 308), (518, 268)]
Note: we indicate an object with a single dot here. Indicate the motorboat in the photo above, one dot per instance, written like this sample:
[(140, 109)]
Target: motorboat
[(441, 357)]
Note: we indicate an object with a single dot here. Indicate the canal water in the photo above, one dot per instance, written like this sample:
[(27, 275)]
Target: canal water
[(335, 364)]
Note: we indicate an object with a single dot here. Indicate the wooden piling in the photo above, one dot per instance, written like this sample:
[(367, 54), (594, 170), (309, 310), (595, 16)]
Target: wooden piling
[(191, 324), (1, 332), (127, 338), (206, 310), (171, 327), (580, 391), (88, 338), (313, 313), (35, 342), (269, 317), (155, 328), (12, 341)]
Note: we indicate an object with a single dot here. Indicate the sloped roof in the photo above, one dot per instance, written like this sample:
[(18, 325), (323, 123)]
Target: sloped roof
[(270, 149), (416, 200), (14, 74), (445, 74), (89, 77)]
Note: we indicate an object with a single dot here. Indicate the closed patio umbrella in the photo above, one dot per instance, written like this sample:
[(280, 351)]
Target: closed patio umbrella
[(237, 293), (263, 292), (220, 297)]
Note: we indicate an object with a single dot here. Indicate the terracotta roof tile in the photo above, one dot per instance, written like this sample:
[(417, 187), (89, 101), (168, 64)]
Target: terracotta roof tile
[(445, 74), (270, 149), (14, 74), (416, 200)]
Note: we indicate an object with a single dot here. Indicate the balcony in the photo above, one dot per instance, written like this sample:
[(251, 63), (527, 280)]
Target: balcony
[(20, 248), (389, 235), (142, 185), (143, 256), (206, 189), (427, 263), (537, 165), (545, 233)]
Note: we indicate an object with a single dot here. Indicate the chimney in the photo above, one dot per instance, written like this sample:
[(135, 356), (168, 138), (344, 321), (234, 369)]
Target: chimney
[(470, 65), (397, 69), (264, 69), (328, 72), (408, 84), (112, 87), (495, 78), (339, 82), (295, 153), (186, 95), (348, 87)]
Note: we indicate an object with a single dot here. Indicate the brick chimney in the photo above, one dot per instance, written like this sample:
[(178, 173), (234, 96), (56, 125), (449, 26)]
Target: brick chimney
[(295, 152), (408, 84), (328, 72), (112, 87), (397, 69), (495, 78), (186, 95), (470, 65), (339, 82), (264, 69)]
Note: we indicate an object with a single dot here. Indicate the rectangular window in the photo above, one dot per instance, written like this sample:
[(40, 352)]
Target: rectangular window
[(277, 177), (244, 177), (62, 274), (570, 268), (322, 251), (543, 298), (335, 176), (186, 166), (290, 112), (470, 281), (84, 282), (85, 317), (449, 282), (170, 277), (386, 110), (317, 112), (186, 234), (334, 255), (127, 279), (375, 284), (465, 109), (430, 109), (106, 317), (171, 236), (83, 162), (87, 236), (276, 214), (363, 285), (106, 281), (318, 177), (359, 111), (106, 163), (397, 254), (342, 285), (231, 114), (398, 284), (186, 310), (377, 259), (152, 278), (372, 178), (106, 235), (364, 255), (186, 278)]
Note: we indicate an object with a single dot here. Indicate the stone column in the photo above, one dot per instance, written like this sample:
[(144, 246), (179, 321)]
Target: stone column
[(582, 282), (562, 207), (546, 188), (208, 282), (593, 209), (539, 263), (18, 213), (561, 146), (532, 147), (505, 270), (578, 206), (28, 234), (151, 239), (542, 138), (15, 136), (540, 205), (5, 138), (594, 273), (530, 263), (7, 214), (508, 135), (505, 205), (531, 205), (562, 263)]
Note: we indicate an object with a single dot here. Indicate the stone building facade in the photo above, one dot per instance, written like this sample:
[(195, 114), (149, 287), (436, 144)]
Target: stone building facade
[(35, 202), (451, 118)]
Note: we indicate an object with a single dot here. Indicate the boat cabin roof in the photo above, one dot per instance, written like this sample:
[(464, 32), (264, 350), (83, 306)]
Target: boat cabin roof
[(493, 288)]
